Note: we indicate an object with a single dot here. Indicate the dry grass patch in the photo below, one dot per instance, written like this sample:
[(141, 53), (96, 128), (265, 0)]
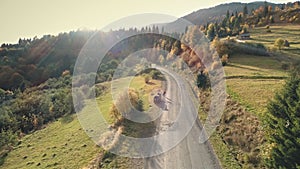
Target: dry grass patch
[(254, 93), (242, 133)]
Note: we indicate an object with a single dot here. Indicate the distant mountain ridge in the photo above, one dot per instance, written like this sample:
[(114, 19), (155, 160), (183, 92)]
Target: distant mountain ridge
[(214, 14)]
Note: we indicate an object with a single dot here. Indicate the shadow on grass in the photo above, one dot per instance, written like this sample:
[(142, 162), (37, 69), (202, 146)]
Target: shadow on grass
[(150, 83), (257, 77), (139, 130), (272, 62), (247, 68), (3, 156), (67, 119)]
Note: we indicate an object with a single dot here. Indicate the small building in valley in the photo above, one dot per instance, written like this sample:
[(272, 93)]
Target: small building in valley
[(244, 36), (286, 43)]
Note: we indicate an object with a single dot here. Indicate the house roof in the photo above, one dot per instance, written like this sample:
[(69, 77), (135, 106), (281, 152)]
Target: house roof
[(245, 34)]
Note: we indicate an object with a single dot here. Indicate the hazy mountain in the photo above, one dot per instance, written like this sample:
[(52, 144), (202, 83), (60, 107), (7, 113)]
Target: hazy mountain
[(214, 14)]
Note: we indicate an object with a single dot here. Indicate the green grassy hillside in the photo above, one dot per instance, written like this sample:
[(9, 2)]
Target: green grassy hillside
[(64, 144), (288, 32), (252, 82)]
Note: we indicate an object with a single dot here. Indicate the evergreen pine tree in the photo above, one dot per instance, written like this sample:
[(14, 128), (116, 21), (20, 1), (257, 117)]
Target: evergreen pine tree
[(202, 81), (227, 15), (245, 11), (283, 121), (266, 9)]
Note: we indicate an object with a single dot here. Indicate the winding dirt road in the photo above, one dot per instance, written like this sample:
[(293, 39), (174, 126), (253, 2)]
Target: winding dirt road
[(188, 153)]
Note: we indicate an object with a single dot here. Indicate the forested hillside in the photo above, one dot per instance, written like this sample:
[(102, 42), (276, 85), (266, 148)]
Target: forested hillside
[(218, 13), (33, 61), (236, 14)]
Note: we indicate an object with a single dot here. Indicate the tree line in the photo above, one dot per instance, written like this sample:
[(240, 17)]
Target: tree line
[(236, 23)]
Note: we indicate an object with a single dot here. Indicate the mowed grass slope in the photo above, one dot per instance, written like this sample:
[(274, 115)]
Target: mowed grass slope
[(286, 32), (138, 83), (105, 103), (64, 143), (253, 80)]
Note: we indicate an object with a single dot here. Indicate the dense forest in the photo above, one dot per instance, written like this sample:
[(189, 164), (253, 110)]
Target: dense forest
[(281, 13), (239, 22)]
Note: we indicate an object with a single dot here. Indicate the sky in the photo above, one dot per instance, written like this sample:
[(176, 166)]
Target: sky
[(29, 18)]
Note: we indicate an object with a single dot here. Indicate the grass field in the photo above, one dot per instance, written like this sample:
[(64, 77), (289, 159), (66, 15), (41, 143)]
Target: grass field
[(137, 83), (286, 32), (64, 144), (254, 93), (253, 80), (254, 66), (131, 129)]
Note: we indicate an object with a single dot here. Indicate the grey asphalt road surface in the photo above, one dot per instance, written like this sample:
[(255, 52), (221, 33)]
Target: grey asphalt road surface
[(188, 153)]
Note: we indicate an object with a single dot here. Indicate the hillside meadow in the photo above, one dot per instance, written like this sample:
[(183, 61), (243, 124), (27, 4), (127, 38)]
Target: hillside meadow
[(65, 144)]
